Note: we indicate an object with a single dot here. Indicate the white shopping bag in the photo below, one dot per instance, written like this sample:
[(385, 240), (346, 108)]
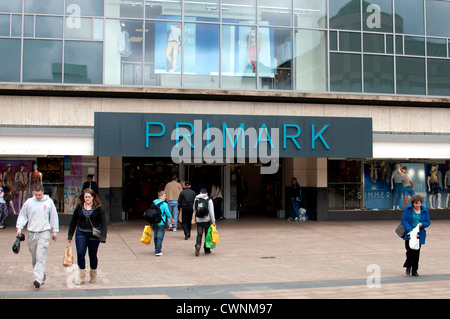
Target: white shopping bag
[(414, 241)]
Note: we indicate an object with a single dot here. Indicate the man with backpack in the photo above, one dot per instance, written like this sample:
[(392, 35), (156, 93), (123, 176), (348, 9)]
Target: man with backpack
[(204, 217), (159, 206)]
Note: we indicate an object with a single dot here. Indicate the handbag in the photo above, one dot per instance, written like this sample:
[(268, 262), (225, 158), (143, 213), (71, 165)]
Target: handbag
[(400, 231), (146, 235), (68, 257), (97, 232)]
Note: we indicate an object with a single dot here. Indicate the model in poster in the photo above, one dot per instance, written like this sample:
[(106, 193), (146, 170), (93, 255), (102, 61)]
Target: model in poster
[(21, 179), (173, 46), (254, 47)]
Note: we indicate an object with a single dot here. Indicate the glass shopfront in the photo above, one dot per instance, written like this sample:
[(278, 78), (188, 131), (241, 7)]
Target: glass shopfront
[(61, 176), (373, 185)]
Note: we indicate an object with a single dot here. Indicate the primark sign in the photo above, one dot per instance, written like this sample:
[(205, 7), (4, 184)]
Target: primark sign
[(203, 138)]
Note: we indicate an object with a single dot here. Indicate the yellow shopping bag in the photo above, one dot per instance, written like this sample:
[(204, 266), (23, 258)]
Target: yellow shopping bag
[(214, 235), (146, 235)]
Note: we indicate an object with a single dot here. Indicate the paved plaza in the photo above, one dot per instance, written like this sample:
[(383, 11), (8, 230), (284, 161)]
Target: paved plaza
[(255, 259)]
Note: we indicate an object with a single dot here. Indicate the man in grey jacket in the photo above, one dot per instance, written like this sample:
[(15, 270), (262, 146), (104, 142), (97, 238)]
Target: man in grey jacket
[(203, 221), (40, 216)]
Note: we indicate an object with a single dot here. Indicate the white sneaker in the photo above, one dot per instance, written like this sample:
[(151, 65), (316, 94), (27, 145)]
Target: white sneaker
[(174, 229), (159, 254)]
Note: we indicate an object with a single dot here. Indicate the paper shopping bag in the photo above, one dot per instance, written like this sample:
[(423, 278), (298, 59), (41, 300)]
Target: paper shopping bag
[(68, 257), (146, 235)]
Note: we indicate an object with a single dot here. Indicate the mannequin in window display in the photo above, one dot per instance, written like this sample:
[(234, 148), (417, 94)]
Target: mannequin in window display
[(8, 180), (396, 186), (447, 187), (22, 184), (35, 176), (434, 186)]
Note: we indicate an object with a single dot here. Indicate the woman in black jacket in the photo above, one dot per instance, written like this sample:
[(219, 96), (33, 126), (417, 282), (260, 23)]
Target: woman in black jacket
[(88, 214)]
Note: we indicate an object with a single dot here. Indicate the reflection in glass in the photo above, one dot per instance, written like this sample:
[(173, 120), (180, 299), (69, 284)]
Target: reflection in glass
[(4, 25), (14, 6), (44, 7), (86, 7), (409, 18), (48, 27), (42, 60), (350, 41), (438, 77), (83, 62), (345, 14), (345, 72), (163, 9), (310, 13), (237, 69), (276, 12), (310, 60), (438, 22), (203, 10), (410, 75), (378, 74), (124, 9), (201, 55), (10, 60), (437, 47), (123, 52), (81, 28), (414, 46)]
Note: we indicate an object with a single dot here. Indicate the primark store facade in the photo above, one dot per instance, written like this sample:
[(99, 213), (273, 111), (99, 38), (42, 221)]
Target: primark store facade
[(241, 94)]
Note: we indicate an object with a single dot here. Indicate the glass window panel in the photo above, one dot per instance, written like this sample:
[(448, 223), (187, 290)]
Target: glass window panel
[(83, 62), (377, 16), (437, 47), (160, 9), (150, 76), (414, 46), (28, 28), (345, 14), (389, 44), (409, 17), (438, 22), (203, 10), (42, 61), (49, 27), (373, 42), (79, 28), (85, 7), (275, 59), (399, 44), (350, 41), (44, 7), (310, 13), (10, 60), (333, 40), (378, 74), (98, 29), (311, 60), (4, 25), (123, 52), (438, 77), (410, 75), (276, 12), (201, 55), (345, 72), (11, 6), (237, 70), (16, 25), (124, 9), (236, 11)]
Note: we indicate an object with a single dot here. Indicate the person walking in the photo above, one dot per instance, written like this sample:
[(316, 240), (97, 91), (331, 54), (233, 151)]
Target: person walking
[(294, 200), (186, 204), (173, 190), (89, 213), (39, 214), (159, 229), (414, 215), (204, 216)]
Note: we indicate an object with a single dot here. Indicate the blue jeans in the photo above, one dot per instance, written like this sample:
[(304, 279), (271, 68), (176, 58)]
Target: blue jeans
[(86, 241), (398, 190), (293, 209), (158, 232), (173, 208)]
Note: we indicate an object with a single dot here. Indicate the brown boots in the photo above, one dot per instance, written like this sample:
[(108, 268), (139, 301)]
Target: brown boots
[(92, 274)]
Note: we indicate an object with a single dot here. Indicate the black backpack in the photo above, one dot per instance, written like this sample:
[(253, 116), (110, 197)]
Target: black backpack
[(153, 214), (201, 207)]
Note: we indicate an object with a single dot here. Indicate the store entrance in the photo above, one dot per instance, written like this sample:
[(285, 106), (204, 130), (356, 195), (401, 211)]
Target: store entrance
[(254, 194)]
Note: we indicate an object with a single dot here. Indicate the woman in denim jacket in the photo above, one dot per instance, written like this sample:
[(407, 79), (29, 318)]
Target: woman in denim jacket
[(414, 215)]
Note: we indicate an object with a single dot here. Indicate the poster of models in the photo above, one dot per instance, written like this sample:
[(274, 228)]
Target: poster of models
[(16, 176), (72, 182), (241, 48)]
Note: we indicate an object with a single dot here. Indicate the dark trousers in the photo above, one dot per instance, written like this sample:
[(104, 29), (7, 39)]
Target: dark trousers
[(412, 257), (202, 228), (186, 220)]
